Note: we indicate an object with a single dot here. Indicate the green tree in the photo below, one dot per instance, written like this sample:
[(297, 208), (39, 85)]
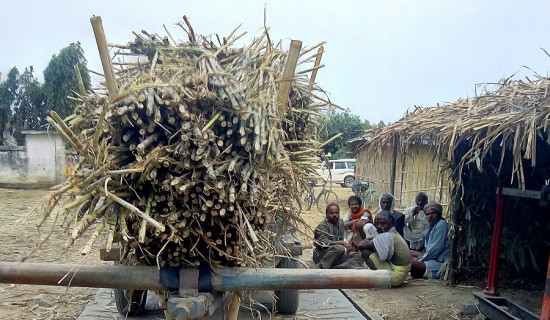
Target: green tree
[(29, 110), (8, 93), (60, 79), (347, 123)]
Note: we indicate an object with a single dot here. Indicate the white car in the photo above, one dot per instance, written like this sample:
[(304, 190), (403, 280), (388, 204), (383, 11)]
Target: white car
[(341, 171)]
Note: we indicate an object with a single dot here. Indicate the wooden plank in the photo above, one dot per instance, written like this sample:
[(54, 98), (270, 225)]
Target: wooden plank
[(533, 194), (106, 63), (288, 75)]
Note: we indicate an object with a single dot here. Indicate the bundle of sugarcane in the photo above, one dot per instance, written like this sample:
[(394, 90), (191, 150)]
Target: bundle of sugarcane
[(195, 160)]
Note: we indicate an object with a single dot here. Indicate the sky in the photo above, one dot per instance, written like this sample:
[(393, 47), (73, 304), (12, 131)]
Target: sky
[(381, 59)]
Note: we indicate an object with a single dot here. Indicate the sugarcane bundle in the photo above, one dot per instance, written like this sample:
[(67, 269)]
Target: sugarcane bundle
[(194, 161)]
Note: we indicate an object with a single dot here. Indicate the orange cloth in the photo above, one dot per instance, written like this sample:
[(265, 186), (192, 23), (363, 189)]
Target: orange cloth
[(358, 215)]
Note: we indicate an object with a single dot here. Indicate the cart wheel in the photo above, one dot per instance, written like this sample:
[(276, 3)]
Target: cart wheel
[(130, 302), (287, 300)]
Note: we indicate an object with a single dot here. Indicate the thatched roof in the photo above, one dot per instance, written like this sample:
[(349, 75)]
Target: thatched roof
[(512, 116)]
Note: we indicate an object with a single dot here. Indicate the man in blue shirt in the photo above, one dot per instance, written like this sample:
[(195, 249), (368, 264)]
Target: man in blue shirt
[(436, 244)]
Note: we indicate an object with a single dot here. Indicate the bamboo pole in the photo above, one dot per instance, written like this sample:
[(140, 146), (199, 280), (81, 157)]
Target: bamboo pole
[(222, 279), (233, 307), (393, 164), (101, 41), (315, 67), (81, 87), (288, 75)]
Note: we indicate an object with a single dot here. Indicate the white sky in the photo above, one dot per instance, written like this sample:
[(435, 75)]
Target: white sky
[(381, 57)]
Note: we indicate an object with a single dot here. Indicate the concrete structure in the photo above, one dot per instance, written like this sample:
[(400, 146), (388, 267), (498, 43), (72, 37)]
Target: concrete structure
[(41, 162)]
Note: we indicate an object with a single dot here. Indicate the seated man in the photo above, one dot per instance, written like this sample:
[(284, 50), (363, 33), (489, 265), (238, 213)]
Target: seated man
[(358, 222), (436, 243), (331, 250), (386, 202), (415, 223), (388, 250)]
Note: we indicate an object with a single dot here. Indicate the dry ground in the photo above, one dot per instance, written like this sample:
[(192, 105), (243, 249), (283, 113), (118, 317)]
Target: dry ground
[(417, 299), (16, 241)]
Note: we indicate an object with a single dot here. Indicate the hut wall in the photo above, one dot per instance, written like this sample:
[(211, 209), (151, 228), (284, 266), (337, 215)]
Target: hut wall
[(423, 170), (419, 169), (374, 167)]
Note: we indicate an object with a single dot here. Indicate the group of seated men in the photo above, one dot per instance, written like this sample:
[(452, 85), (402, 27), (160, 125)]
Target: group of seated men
[(414, 241)]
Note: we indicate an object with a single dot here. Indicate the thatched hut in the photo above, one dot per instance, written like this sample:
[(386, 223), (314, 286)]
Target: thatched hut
[(459, 153)]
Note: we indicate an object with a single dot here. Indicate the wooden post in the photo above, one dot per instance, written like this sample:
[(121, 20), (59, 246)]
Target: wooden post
[(233, 307), (393, 165), (492, 278), (288, 75), (455, 229), (101, 41), (315, 69), (81, 87), (545, 312)]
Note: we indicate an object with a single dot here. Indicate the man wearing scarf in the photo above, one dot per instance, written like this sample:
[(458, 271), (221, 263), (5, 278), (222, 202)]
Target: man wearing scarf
[(358, 222), (437, 245), (332, 251), (388, 250)]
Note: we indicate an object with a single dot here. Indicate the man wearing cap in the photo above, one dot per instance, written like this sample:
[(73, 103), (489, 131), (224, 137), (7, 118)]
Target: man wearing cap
[(437, 245), (388, 250), (331, 250)]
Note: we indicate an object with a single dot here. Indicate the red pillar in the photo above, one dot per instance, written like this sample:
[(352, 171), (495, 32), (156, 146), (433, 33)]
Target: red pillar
[(545, 313), (491, 288)]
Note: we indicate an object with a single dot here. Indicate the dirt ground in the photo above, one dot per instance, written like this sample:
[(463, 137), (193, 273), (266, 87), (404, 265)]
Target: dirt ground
[(417, 299), (17, 239)]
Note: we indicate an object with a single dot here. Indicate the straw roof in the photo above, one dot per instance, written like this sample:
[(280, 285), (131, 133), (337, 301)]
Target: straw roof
[(513, 116)]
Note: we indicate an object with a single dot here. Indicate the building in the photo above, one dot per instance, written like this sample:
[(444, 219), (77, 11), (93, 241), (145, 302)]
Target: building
[(40, 163)]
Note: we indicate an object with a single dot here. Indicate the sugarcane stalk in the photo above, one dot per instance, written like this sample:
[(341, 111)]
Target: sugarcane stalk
[(143, 225), (132, 208)]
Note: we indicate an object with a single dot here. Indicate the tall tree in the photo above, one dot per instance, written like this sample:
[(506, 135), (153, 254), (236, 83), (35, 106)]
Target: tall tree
[(8, 93), (60, 79), (29, 110), (342, 122)]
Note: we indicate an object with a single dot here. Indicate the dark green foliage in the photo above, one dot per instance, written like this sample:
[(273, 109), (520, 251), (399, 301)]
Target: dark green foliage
[(29, 108), (25, 103), (8, 92), (60, 80), (349, 124)]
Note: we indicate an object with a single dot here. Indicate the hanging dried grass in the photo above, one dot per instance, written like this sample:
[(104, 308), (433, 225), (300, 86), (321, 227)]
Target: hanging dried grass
[(513, 115)]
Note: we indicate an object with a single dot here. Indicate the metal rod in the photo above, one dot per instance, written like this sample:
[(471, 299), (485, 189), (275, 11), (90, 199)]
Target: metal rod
[(222, 279), (72, 275), (491, 288)]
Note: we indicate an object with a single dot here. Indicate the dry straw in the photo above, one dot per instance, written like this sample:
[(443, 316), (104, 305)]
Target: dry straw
[(512, 116), (191, 162)]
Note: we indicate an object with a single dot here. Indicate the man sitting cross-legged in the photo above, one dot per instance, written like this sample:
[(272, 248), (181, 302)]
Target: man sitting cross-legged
[(388, 250), (358, 222), (331, 250)]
